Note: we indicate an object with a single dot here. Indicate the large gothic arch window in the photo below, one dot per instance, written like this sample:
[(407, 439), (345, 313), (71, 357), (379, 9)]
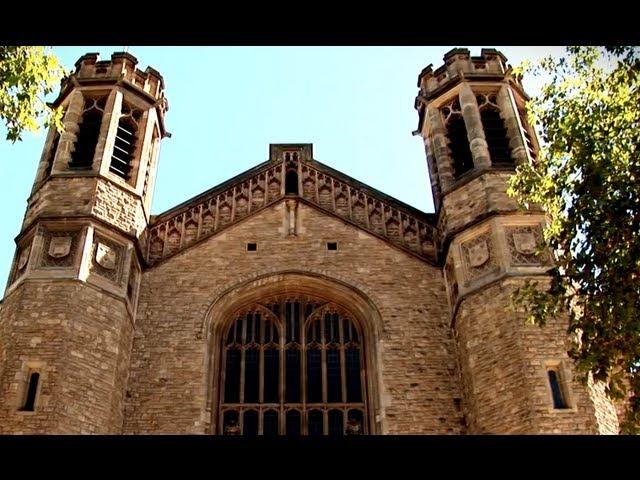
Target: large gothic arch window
[(292, 366)]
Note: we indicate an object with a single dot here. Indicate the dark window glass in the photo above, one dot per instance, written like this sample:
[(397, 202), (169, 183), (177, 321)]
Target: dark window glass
[(354, 386), (292, 375), (291, 183), (270, 423), (250, 427), (334, 385), (335, 422), (332, 246), (32, 390), (271, 375), (315, 423), (314, 376), (252, 247), (556, 391), (459, 145), (251, 375), (232, 377), (293, 422)]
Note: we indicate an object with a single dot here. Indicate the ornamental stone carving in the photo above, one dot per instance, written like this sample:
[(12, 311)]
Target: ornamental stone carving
[(106, 256), (107, 259), (59, 248), (523, 243), (478, 253), (23, 259), (479, 256), (402, 226)]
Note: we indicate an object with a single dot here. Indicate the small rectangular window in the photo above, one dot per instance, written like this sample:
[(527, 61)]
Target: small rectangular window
[(332, 246), (557, 391), (28, 405), (252, 247)]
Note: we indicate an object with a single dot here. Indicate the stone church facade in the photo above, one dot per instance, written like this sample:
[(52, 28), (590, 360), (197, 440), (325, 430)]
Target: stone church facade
[(292, 298)]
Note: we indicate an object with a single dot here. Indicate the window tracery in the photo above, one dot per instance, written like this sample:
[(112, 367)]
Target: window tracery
[(292, 366), (457, 136)]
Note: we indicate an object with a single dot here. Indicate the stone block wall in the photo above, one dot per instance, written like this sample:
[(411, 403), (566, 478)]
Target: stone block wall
[(417, 385), (79, 339)]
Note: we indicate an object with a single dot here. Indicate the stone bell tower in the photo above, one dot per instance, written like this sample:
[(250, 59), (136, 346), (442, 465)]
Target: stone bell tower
[(517, 378), (69, 309)]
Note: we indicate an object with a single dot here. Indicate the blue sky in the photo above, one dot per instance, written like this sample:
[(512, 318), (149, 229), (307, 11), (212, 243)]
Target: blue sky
[(226, 104)]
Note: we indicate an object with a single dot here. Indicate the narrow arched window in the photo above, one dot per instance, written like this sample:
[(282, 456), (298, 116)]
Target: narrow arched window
[(291, 183), (459, 147), (495, 132), (31, 392), (292, 366), (51, 155), (124, 147), (88, 133)]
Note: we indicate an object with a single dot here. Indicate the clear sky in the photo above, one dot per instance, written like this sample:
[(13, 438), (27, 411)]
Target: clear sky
[(226, 104)]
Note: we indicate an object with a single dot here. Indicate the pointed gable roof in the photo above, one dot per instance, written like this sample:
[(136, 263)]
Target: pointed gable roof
[(318, 185)]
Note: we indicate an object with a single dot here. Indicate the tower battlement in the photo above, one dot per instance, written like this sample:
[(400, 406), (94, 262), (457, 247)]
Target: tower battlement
[(121, 67), (459, 63)]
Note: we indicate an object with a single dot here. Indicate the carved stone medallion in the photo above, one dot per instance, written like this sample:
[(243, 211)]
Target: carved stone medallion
[(59, 247), (107, 259), (106, 256), (524, 242), (478, 254), (24, 257)]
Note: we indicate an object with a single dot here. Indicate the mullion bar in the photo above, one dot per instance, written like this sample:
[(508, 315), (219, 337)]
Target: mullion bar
[(323, 360), (343, 378), (261, 366), (242, 355)]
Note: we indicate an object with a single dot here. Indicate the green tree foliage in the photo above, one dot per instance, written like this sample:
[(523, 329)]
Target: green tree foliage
[(587, 178), (27, 74)]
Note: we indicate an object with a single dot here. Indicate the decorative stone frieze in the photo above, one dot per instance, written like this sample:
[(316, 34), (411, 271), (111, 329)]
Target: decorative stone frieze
[(173, 232)]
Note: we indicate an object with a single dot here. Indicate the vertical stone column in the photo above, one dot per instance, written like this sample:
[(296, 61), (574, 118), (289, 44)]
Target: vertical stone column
[(68, 137), (509, 113), (438, 145), (475, 131), (142, 161)]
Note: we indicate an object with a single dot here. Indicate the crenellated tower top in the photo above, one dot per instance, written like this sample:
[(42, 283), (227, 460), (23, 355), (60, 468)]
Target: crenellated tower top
[(119, 70), (458, 63)]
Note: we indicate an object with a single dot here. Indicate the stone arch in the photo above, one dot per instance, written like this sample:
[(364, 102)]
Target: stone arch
[(223, 308)]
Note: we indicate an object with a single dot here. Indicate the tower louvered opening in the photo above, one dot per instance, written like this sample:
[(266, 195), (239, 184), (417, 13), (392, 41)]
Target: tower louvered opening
[(458, 141), (528, 138), (125, 143), (494, 130), (88, 133)]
